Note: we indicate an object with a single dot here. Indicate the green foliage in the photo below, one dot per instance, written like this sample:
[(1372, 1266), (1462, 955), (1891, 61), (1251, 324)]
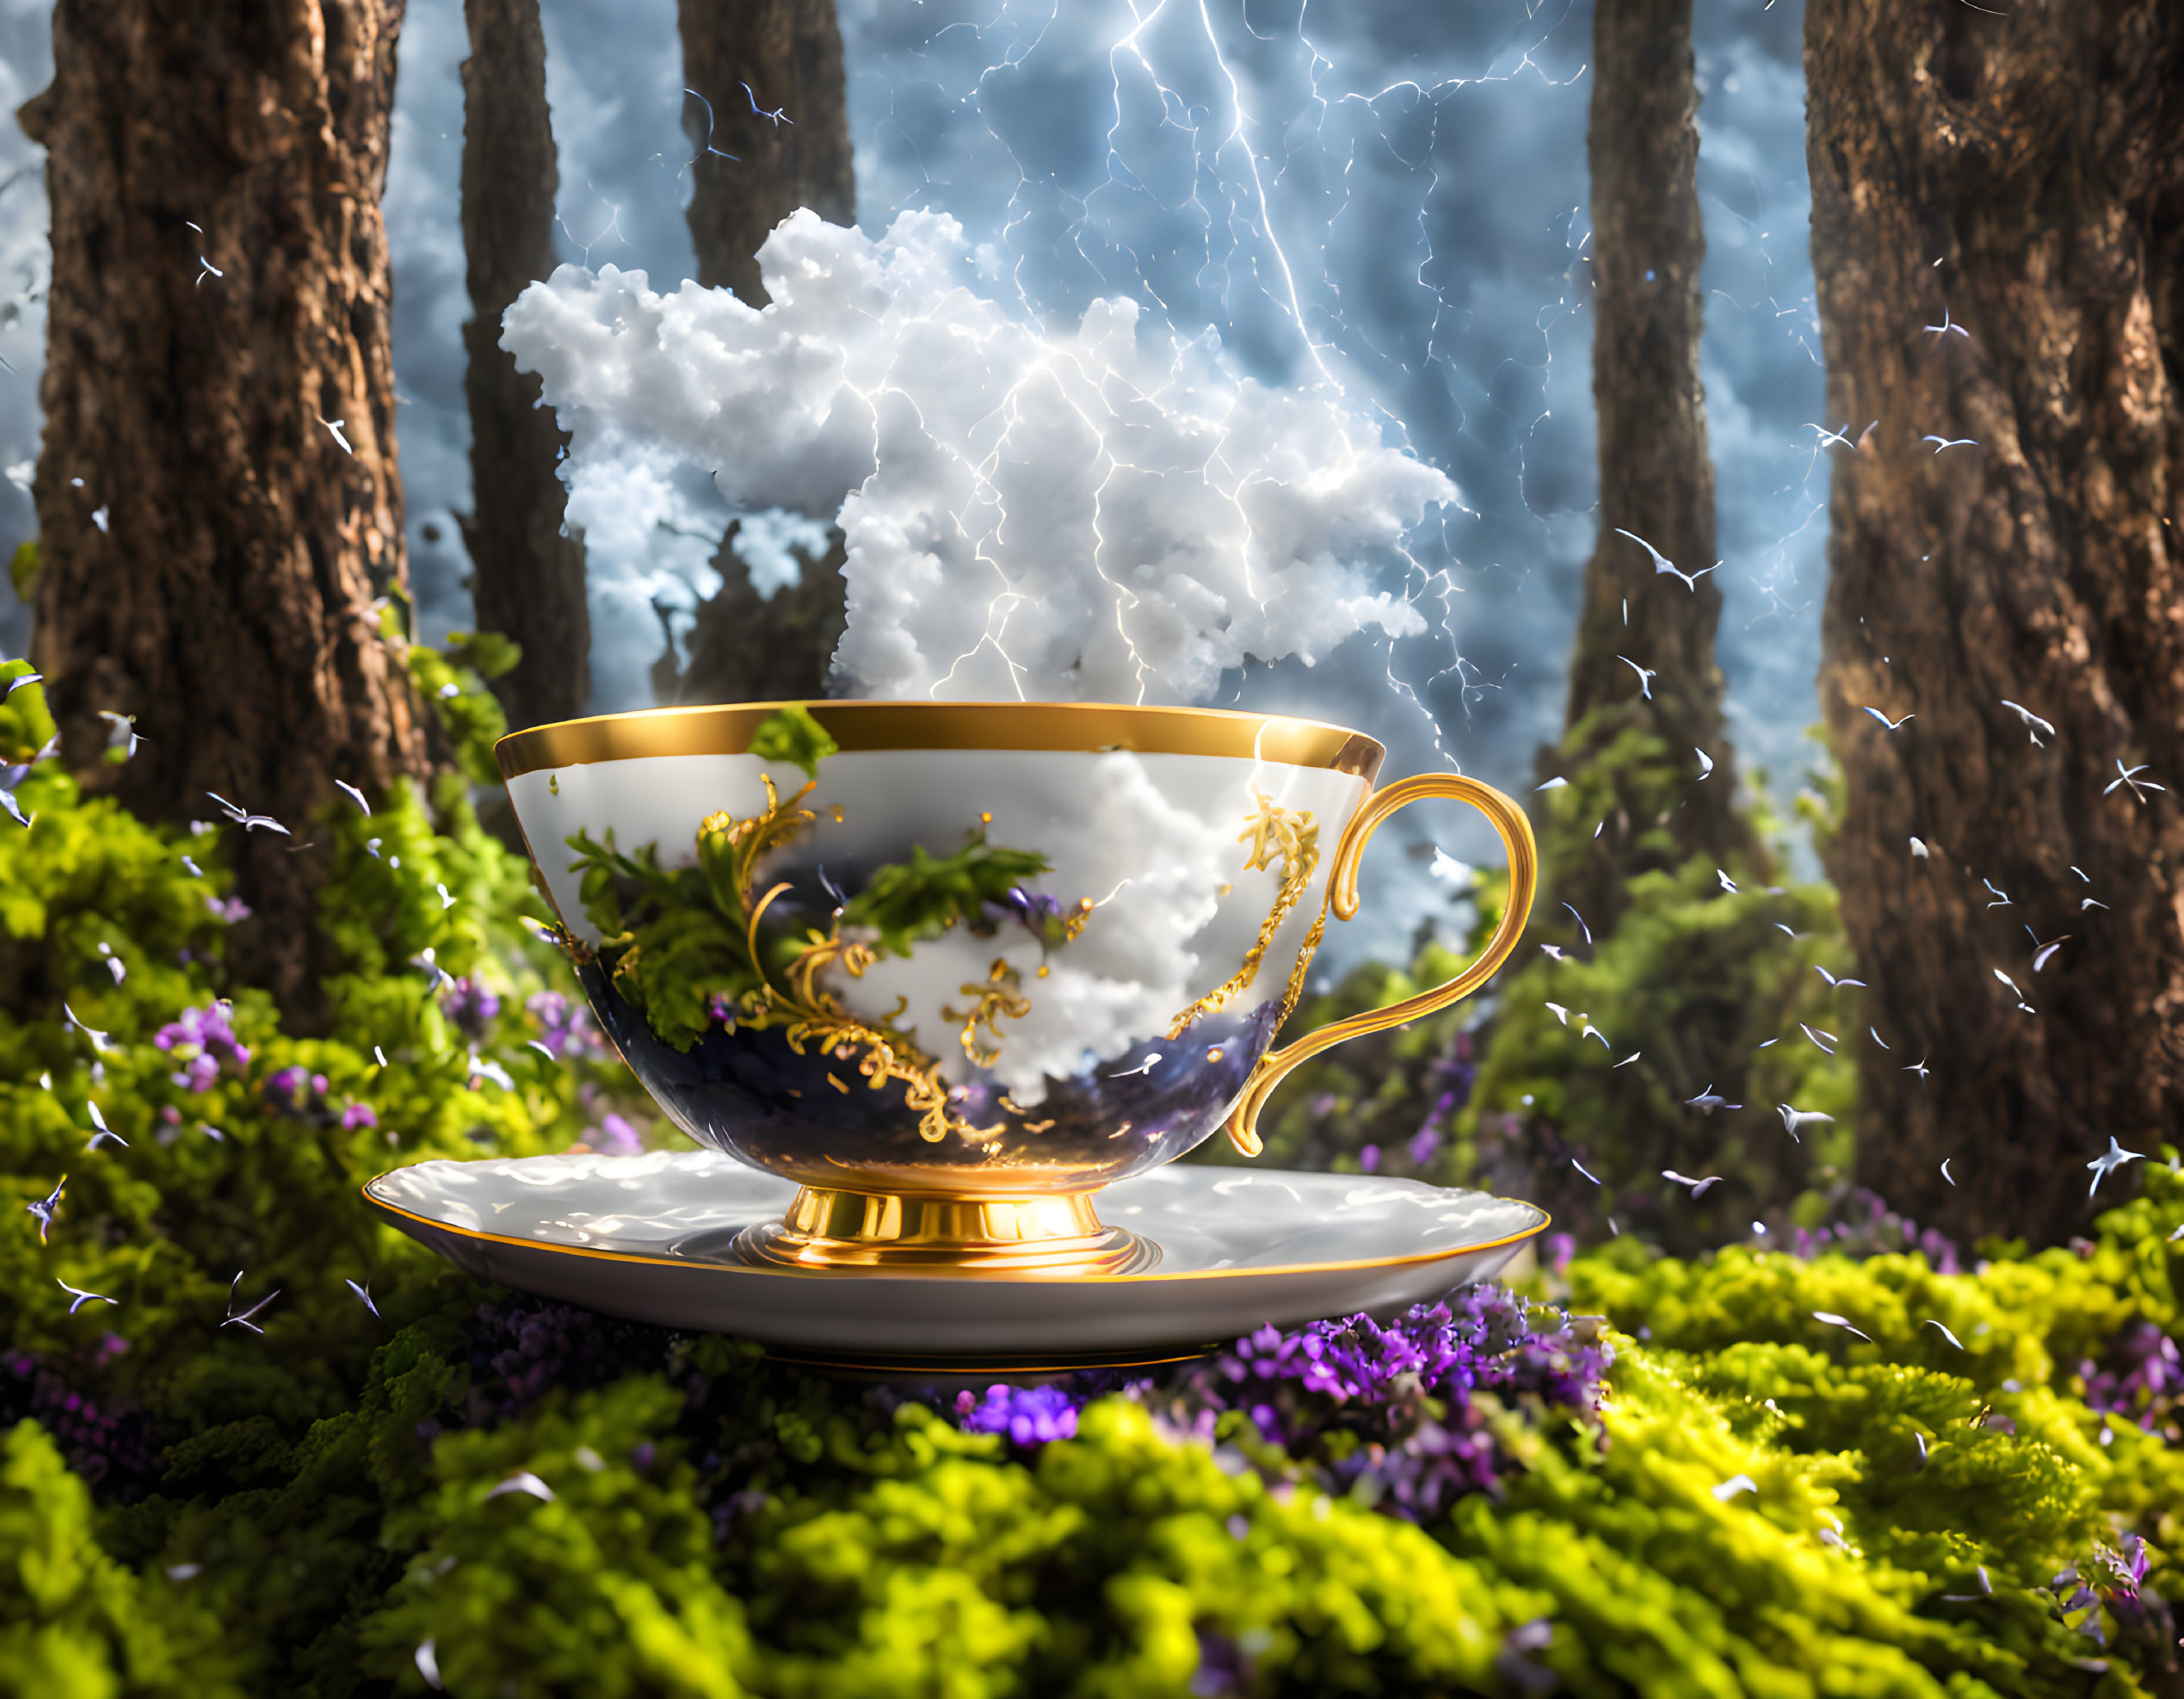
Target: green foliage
[(307, 1509), (681, 942), (22, 569), (470, 712), (25, 724), (490, 654), (790, 736), (674, 939), (1593, 1053), (163, 1225), (72, 1621), (905, 902), (607, 1588)]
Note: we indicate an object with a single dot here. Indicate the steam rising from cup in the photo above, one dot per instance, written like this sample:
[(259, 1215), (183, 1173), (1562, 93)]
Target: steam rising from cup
[(1105, 514)]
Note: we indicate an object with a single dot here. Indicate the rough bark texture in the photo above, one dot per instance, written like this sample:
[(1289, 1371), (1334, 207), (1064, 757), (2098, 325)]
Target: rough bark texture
[(749, 58), (527, 578), (1656, 478), (2040, 158), (211, 553), (744, 649)]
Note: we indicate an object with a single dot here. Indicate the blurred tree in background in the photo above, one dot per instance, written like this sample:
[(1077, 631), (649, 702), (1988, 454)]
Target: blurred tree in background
[(527, 570), (770, 89)]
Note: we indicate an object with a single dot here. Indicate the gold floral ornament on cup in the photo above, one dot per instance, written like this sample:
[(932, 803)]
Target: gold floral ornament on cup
[(954, 966)]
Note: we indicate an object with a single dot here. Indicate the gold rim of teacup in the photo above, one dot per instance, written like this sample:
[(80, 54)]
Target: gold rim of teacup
[(1086, 727)]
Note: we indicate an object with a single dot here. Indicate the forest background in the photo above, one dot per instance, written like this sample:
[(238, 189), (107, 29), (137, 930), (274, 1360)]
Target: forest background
[(1970, 1011)]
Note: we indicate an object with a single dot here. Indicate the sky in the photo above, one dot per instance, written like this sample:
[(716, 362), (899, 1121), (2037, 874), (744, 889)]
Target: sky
[(1384, 194)]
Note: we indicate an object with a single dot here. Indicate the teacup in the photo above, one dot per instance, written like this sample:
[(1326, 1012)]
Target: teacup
[(953, 967)]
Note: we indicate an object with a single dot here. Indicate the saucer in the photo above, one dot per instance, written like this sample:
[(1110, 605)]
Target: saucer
[(651, 1238)]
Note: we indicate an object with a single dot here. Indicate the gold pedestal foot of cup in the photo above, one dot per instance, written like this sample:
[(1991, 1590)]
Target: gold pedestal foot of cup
[(825, 1229)]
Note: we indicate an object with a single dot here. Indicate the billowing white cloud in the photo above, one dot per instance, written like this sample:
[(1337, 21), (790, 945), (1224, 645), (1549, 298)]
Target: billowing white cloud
[(1101, 513)]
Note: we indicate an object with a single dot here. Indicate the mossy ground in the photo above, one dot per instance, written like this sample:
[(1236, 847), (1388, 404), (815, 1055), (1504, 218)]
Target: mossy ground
[(1763, 1501)]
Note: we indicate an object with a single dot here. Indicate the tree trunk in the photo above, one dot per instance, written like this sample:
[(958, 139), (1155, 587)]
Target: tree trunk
[(211, 552), (1656, 480), (750, 60), (2015, 185), (528, 575), (775, 649)]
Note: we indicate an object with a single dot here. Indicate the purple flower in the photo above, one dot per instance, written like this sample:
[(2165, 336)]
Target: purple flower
[(524, 1349), (229, 911), (1871, 1228), (203, 1042), (471, 1007), (1028, 1415), (614, 1137), (110, 1446), (2143, 1379), (1047, 919), (285, 1091), (1423, 1143), (1388, 1410), (1369, 1158), (1385, 1413), (358, 1115), (565, 1027)]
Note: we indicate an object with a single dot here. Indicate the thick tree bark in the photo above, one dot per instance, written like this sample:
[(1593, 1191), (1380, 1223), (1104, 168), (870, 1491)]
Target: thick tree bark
[(2019, 181), (527, 575), (1656, 479), (750, 60), (212, 550), (771, 72)]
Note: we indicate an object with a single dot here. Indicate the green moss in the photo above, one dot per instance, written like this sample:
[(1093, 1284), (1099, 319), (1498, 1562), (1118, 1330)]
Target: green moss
[(72, 1621)]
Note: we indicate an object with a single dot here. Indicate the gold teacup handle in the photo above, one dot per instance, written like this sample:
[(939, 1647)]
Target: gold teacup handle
[(1342, 896)]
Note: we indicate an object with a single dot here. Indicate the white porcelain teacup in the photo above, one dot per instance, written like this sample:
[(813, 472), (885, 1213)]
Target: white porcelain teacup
[(954, 966)]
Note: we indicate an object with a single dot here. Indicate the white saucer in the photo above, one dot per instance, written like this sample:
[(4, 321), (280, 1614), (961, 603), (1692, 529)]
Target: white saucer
[(651, 1237)]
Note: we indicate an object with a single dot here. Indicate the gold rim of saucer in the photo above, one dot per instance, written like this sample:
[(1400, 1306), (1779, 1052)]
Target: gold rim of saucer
[(777, 1271), (878, 1231), (1087, 727)]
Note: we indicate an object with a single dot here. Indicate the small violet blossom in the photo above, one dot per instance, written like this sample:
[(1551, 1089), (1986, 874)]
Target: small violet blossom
[(287, 1090), (1396, 1415), (471, 1007), (203, 1042), (1028, 1415), (615, 1136), (564, 1026)]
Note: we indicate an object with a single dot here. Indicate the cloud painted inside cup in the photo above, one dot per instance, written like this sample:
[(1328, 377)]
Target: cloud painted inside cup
[(1147, 951), (1107, 513)]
